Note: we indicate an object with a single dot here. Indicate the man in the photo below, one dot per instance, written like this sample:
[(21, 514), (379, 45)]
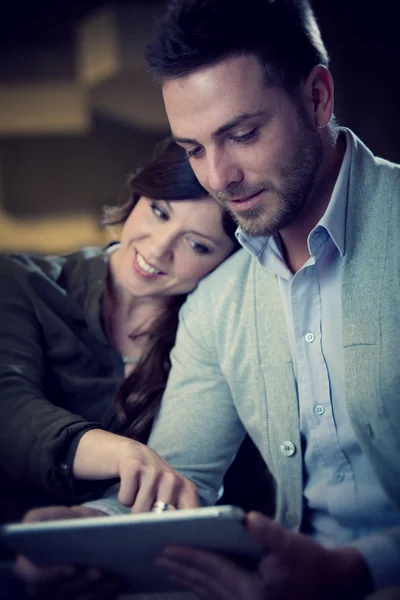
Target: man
[(294, 339), (297, 342)]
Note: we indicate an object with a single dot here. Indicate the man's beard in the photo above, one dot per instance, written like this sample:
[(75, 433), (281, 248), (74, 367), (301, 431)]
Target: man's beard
[(298, 179)]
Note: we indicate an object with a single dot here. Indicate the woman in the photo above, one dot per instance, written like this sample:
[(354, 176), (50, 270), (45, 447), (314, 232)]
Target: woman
[(73, 327)]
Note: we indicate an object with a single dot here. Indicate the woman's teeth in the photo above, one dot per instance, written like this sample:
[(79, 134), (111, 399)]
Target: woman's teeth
[(145, 266)]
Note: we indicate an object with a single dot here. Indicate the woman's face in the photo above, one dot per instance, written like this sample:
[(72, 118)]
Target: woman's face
[(167, 247)]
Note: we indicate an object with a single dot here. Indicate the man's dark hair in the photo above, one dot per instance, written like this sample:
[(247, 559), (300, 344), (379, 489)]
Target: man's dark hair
[(282, 34)]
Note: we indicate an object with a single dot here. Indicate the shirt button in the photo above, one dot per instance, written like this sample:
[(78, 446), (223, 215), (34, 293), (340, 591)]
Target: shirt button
[(288, 448), (64, 467), (309, 337), (319, 409), (338, 477)]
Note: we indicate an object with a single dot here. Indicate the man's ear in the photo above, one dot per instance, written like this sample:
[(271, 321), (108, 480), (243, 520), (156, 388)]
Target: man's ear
[(317, 93)]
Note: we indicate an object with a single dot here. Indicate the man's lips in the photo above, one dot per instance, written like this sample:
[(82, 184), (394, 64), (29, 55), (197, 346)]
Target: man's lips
[(246, 201)]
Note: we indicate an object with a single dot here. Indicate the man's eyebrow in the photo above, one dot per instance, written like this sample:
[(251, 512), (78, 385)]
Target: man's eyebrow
[(223, 129), (235, 122)]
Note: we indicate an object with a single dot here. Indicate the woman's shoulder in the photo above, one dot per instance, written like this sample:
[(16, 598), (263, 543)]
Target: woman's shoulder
[(20, 267), (20, 264)]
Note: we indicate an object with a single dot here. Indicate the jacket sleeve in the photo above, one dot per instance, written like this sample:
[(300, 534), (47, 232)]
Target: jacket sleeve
[(35, 434), (198, 430)]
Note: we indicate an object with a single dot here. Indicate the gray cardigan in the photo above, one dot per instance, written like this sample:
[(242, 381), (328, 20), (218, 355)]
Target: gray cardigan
[(232, 369)]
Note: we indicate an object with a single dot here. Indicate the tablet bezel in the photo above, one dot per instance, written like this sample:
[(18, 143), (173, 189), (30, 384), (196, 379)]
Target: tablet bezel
[(128, 545)]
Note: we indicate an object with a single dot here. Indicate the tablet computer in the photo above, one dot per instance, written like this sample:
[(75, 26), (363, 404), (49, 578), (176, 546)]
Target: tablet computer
[(128, 545)]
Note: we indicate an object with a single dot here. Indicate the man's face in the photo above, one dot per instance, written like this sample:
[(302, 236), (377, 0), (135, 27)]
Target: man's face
[(250, 145)]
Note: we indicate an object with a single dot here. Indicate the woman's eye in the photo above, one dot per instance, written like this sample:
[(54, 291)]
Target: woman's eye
[(194, 152), (199, 248), (245, 137), (160, 214)]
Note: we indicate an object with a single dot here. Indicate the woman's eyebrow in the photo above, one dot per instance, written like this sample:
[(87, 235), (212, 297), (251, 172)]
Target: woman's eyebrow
[(193, 231), (203, 235)]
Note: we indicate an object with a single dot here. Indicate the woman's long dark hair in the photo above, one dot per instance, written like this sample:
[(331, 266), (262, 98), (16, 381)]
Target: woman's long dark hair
[(167, 177)]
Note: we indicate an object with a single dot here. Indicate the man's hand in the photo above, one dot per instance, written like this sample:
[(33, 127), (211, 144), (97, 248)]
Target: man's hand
[(294, 566), (65, 581), (147, 478)]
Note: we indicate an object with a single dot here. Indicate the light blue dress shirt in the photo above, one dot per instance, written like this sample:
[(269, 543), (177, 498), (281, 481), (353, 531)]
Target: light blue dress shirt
[(344, 501)]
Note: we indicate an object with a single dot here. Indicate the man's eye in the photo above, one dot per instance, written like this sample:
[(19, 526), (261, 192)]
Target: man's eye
[(199, 248), (245, 137), (160, 214)]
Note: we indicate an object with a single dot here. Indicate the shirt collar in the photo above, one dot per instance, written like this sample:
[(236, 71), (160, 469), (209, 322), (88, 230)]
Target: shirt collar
[(333, 220)]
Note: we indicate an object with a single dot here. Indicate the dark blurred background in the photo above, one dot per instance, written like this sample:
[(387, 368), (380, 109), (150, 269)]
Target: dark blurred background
[(78, 112)]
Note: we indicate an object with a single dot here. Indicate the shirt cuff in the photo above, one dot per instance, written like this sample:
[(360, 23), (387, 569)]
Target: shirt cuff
[(382, 555), (109, 503)]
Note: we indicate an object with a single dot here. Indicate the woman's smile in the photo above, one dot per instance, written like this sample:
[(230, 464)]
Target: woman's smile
[(143, 268)]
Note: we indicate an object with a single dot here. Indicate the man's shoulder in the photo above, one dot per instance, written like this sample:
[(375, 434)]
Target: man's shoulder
[(239, 261), (230, 292), (374, 170), (221, 290), (374, 194), (231, 272), (387, 173), (389, 177)]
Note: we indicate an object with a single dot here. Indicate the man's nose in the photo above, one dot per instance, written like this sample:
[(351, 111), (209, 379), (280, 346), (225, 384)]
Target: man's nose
[(222, 172)]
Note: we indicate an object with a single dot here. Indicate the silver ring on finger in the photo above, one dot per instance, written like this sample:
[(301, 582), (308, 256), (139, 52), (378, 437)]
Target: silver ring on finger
[(160, 506)]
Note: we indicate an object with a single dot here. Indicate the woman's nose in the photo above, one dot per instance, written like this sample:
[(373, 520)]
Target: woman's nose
[(161, 246)]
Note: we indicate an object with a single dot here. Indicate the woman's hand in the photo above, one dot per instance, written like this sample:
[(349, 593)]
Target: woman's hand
[(147, 478), (66, 581)]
